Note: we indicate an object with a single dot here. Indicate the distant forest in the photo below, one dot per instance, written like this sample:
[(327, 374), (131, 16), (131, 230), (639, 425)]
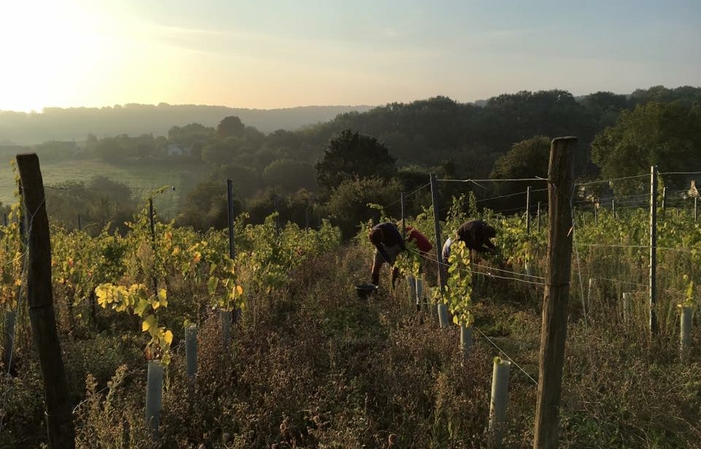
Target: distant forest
[(334, 168), (21, 128)]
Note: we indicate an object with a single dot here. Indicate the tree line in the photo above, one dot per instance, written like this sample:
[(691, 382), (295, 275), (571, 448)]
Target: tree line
[(336, 168)]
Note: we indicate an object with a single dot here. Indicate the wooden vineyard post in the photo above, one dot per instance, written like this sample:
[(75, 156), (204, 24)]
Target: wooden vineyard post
[(230, 221), (557, 289), (528, 210), (653, 250), (437, 226), (152, 225), (59, 417)]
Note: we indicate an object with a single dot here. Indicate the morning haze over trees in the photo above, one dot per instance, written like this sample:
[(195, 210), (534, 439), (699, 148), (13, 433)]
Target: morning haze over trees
[(335, 167)]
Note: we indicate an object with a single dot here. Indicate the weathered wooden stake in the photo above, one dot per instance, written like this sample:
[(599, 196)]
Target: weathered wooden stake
[(554, 327), (401, 200), (152, 221), (696, 215), (626, 308), (528, 210), (230, 215), (653, 250), (437, 226), (59, 417)]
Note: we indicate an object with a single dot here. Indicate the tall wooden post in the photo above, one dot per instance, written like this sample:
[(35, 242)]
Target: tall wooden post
[(59, 418), (230, 215), (557, 289), (653, 249), (152, 223), (538, 217), (401, 200), (437, 226), (230, 220), (528, 210), (696, 215)]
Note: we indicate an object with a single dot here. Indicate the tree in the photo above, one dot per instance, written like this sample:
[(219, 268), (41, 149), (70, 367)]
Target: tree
[(526, 159), (189, 135), (206, 206), (230, 127), (352, 155), (348, 205), (664, 134), (97, 203), (290, 175)]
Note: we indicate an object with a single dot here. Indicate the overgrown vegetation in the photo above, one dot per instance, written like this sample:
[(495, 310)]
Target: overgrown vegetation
[(311, 365)]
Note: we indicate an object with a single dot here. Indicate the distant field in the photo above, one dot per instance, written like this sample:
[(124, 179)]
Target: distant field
[(143, 178)]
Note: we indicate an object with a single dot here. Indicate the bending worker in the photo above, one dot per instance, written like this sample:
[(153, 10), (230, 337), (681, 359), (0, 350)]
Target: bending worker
[(476, 234), (388, 242)]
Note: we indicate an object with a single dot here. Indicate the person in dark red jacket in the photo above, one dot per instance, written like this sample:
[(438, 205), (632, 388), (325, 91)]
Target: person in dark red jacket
[(388, 242)]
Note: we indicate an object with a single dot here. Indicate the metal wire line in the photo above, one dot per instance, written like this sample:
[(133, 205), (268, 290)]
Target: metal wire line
[(536, 178), (600, 181), (501, 351), (408, 194), (490, 274)]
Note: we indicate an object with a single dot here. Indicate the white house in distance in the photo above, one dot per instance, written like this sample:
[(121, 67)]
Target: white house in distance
[(175, 150)]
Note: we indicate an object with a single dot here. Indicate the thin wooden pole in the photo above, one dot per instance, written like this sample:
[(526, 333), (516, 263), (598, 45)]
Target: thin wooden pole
[(152, 222), (528, 210), (230, 215), (695, 209), (557, 289), (653, 250), (401, 200), (59, 417), (437, 226)]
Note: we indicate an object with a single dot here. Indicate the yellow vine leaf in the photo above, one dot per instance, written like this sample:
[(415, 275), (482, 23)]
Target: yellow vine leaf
[(149, 324), (168, 337)]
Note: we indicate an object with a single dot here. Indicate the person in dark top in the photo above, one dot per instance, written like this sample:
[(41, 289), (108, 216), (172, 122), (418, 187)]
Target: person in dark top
[(388, 242), (476, 234)]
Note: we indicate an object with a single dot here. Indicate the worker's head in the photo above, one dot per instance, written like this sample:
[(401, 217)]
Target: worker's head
[(376, 236)]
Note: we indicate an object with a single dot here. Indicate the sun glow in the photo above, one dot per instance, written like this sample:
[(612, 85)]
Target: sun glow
[(67, 54)]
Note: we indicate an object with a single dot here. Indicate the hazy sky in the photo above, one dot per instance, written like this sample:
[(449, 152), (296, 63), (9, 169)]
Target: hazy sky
[(271, 54)]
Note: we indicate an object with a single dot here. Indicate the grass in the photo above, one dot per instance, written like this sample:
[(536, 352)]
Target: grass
[(313, 366), (142, 177)]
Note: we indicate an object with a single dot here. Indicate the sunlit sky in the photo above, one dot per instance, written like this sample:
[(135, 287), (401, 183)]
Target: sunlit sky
[(274, 54)]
